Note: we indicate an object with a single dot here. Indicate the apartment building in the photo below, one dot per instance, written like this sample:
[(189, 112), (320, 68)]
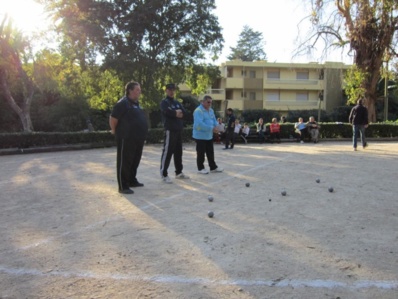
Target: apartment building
[(279, 86)]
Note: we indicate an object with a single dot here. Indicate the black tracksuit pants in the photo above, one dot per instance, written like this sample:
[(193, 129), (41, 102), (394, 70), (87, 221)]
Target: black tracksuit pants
[(172, 146)]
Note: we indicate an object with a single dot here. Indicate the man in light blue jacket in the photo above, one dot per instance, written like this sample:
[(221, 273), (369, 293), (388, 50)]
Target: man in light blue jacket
[(204, 124)]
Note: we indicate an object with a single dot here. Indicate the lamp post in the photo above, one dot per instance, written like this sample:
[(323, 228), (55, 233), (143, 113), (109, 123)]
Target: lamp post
[(386, 92), (320, 99)]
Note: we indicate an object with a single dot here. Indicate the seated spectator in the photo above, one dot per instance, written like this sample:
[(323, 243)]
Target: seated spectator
[(283, 119), (245, 132), (300, 130), (261, 130), (313, 129), (237, 129), (220, 135), (275, 129)]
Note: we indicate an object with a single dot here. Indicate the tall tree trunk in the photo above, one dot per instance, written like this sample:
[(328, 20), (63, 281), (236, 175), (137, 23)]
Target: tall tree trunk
[(23, 112)]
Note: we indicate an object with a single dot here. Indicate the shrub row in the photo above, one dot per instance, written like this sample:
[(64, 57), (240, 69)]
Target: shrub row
[(43, 139), (105, 138)]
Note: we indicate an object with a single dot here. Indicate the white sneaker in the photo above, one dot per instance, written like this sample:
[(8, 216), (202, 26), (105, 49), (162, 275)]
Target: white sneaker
[(167, 180), (217, 170), (203, 171), (301, 141), (182, 176)]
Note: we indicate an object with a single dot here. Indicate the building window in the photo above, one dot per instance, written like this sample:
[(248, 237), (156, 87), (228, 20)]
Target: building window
[(273, 75), (252, 74), (252, 96), (302, 75), (243, 94), (243, 73), (273, 96), (302, 96)]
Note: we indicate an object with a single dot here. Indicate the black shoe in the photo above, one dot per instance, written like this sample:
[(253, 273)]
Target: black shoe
[(136, 184), (126, 191), (225, 148)]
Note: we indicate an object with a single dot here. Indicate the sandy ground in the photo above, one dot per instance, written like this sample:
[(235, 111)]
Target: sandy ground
[(67, 233)]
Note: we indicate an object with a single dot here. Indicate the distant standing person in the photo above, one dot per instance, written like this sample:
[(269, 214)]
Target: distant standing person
[(229, 130), (128, 122), (204, 125), (359, 120), (172, 116)]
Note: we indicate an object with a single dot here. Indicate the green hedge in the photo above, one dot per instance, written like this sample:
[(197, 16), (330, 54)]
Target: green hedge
[(105, 138), (42, 139), (344, 130)]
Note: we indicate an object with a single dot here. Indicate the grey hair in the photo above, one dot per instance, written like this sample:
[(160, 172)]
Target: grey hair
[(207, 97)]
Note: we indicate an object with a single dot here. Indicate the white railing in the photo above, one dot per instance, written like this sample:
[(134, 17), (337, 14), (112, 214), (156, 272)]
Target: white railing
[(291, 103), (215, 91), (301, 82)]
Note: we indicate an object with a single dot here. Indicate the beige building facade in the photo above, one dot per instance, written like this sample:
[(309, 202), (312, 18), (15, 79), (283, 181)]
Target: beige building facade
[(279, 86)]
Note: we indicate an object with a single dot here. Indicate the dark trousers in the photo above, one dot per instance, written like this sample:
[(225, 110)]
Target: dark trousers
[(229, 138), (128, 157), (205, 147), (358, 130), (261, 136), (276, 136), (303, 134), (172, 146)]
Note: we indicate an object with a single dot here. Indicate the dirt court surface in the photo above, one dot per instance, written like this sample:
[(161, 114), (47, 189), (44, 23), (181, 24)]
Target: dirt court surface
[(67, 233)]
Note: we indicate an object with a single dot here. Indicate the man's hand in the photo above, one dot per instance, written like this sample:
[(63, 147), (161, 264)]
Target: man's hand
[(179, 113), (113, 124), (215, 130)]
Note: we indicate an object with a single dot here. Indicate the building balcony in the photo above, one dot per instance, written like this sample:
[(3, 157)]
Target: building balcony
[(216, 94), (294, 84), (234, 83), (266, 84), (290, 105)]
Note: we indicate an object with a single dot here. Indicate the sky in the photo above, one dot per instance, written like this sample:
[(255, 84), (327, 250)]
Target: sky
[(276, 20)]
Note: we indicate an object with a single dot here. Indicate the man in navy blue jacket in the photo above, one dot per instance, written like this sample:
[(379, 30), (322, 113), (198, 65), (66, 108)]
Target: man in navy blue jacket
[(172, 116), (129, 123), (359, 120)]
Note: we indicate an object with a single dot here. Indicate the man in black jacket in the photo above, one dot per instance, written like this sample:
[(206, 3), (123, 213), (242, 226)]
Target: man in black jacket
[(229, 130), (359, 121), (172, 116), (129, 123)]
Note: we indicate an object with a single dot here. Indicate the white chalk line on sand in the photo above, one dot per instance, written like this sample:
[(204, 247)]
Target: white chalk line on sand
[(172, 279)]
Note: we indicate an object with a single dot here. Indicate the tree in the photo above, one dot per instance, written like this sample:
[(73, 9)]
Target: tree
[(368, 28), (150, 41), (103, 88), (200, 77), (17, 87), (250, 46)]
